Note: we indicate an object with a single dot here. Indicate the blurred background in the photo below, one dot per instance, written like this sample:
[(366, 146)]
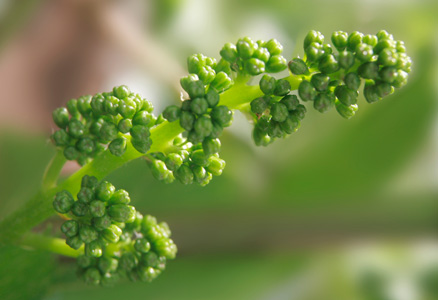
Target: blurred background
[(340, 210)]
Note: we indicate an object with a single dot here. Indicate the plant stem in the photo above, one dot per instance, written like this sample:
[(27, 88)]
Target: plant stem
[(53, 170), (55, 245), (39, 208)]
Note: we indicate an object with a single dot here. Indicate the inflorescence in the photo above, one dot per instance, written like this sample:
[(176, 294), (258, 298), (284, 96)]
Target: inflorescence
[(119, 241)]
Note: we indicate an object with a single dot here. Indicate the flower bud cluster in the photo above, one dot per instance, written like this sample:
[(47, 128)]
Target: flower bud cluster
[(119, 242), (89, 125), (254, 58), (277, 113), (140, 255), (191, 163), (333, 79)]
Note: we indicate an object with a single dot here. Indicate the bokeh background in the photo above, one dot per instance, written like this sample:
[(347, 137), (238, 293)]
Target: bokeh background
[(340, 210)]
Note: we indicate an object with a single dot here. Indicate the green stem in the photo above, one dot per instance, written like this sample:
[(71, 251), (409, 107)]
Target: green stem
[(53, 170), (39, 208), (55, 245)]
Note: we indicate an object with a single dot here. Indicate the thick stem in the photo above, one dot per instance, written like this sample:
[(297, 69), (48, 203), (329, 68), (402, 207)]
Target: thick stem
[(53, 170), (40, 207), (55, 245)]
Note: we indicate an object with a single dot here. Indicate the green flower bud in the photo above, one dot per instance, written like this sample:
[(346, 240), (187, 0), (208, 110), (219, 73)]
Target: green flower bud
[(187, 120), (140, 133), (203, 126), (199, 106), (259, 105), (147, 274), (206, 74), (102, 222), (211, 146), (74, 242), (76, 128), (89, 181), (186, 104), (290, 101), (215, 165), (86, 145), (306, 91), (93, 249), (111, 105), (122, 213), (383, 89), (401, 78), (279, 112), (97, 104), (79, 209), (92, 276), (383, 35), (195, 62), (108, 132), (107, 264), (142, 245), (87, 234), (262, 54), (223, 66), (324, 102), (370, 39), (364, 52), (171, 113), (70, 228), (159, 170), (290, 125), (339, 40), (199, 173), (384, 44), (72, 107), (199, 157), (387, 57), (327, 48), (400, 47), (186, 81), (84, 106), (212, 98), (148, 222), (112, 233), (314, 52), (222, 115), (276, 63), (260, 137), (274, 47), (282, 87), (142, 118), (118, 146), (61, 138), (345, 95), (352, 81), (184, 174), (369, 70), (274, 130), (166, 248), (104, 191), (320, 81), (173, 161), (254, 66), (267, 84), (140, 145), (216, 131), (121, 91), (97, 208), (128, 261), (354, 39), (346, 112), (370, 93), (298, 67), (85, 195), (196, 89), (61, 117), (246, 47), (120, 197), (328, 64), (96, 126), (229, 52), (71, 153), (221, 82), (313, 37), (346, 59), (125, 110), (299, 112), (83, 159), (63, 202)]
